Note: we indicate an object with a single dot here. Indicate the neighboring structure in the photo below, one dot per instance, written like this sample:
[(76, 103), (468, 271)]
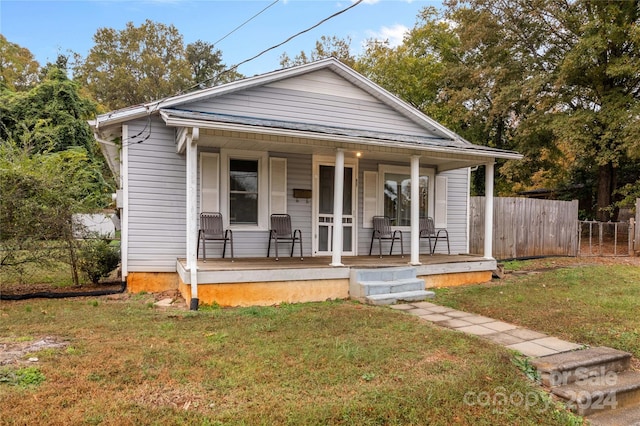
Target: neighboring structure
[(291, 141)]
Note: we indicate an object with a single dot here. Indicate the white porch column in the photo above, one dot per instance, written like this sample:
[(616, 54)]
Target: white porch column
[(192, 214), (415, 210), (338, 190), (488, 211)]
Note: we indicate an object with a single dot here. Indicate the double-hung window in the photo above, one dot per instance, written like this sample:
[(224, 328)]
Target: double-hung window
[(395, 186), (243, 191), (245, 187)]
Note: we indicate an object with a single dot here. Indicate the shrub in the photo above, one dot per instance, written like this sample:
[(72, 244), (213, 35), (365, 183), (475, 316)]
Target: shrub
[(98, 258)]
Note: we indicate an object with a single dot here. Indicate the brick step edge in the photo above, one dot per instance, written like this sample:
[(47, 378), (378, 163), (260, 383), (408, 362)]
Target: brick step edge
[(613, 391), (568, 367)]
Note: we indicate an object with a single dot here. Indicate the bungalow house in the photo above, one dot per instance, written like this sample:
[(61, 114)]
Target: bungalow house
[(295, 141)]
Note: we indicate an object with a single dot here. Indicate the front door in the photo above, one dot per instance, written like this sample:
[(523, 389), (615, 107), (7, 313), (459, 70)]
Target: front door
[(324, 173)]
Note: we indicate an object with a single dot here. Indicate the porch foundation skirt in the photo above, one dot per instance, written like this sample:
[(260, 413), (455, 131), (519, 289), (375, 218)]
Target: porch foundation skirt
[(267, 293)]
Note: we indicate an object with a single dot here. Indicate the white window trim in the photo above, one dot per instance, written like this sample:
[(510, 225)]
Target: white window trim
[(424, 171), (263, 187)]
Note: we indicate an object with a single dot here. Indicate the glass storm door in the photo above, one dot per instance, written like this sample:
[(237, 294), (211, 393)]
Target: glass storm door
[(325, 220)]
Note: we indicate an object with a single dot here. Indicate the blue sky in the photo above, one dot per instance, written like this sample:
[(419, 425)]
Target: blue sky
[(47, 27)]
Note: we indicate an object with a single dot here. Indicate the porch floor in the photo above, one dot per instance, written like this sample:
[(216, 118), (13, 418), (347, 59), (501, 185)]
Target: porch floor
[(285, 262)]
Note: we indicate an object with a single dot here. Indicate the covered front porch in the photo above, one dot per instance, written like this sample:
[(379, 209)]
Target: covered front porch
[(265, 281)]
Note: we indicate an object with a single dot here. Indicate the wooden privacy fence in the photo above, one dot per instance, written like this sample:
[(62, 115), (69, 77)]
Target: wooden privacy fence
[(526, 227), (636, 229)]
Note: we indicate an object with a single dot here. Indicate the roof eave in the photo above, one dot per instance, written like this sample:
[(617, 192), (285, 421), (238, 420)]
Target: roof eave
[(473, 150)]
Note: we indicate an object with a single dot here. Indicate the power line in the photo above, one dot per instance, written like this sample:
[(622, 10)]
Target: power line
[(245, 22), (340, 12), (158, 102)]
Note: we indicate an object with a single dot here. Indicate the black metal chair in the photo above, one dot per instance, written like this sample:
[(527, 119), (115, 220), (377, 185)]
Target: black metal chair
[(428, 230), (281, 232), (211, 229), (382, 231)]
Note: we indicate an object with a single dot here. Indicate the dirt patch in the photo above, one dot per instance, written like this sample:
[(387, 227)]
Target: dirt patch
[(12, 352), (550, 263), (28, 288)]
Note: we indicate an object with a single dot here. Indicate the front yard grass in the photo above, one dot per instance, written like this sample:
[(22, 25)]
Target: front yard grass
[(127, 362), (589, 304)]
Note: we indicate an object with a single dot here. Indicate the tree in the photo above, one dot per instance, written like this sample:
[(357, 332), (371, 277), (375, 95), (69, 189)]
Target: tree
[(206, 64), (50, 117), (326, 47), (18, 68), (599, 82), (134, 65), (40, 193), (414, 70), (146, 63), (577, 81)]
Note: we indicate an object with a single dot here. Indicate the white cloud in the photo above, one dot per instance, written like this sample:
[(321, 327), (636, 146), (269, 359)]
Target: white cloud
[(393, 34)]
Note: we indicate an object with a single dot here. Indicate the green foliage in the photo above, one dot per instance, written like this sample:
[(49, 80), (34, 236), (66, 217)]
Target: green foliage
[(326, 47), (97, 258), (18, 68), (207, 68), (140, 64), (23, 377), (556, 82), (50, 117), (41, 192), (524, 364)]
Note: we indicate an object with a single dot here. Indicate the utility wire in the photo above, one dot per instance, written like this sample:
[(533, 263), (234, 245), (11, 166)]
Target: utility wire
[(245, 22), (157, 103), (199, 84)]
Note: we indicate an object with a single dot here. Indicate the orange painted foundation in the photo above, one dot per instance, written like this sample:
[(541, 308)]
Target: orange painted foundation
[(457, 279), (267, 293), (151, 282)]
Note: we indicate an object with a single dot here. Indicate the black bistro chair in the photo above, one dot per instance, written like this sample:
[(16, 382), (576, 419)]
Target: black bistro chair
[(281, 232), (428, 230), (382, 231), (211, 229)]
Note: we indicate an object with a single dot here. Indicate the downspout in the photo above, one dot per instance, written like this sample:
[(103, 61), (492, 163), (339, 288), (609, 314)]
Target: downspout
[(192, 215)]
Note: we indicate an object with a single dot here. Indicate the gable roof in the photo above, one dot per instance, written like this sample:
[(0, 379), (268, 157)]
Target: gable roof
[(138, 111), (176, 111)]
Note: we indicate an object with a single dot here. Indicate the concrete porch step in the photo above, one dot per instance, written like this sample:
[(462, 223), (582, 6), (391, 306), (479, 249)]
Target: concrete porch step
[(407, 296), (601, 393), (622, 417), (396, 286), (383, 274), (569, 367)]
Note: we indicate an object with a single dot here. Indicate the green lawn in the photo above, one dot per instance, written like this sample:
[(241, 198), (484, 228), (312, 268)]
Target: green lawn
[(589, 304), (324, 363)]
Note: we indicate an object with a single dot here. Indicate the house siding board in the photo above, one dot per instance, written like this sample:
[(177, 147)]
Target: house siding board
[(300, 100), (457, 200), (247, 243), (157, 199), (456, 212), (299, 176)]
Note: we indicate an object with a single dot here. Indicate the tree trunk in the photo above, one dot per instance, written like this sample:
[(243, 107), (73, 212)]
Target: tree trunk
[(605, 189)]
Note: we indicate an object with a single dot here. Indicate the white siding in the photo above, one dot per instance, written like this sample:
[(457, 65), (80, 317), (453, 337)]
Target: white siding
[(301, 100), (456, 212), (457, 187), (157, 199), (247, 243)]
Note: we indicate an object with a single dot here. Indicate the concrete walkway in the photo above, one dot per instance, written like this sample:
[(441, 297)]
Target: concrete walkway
[(528, 342)]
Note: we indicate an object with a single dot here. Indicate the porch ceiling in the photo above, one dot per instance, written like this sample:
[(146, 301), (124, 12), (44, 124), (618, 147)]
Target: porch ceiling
[(276, 136)]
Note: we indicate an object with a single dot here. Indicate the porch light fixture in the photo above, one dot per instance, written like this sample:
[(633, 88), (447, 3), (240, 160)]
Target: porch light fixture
[(358, 154)]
